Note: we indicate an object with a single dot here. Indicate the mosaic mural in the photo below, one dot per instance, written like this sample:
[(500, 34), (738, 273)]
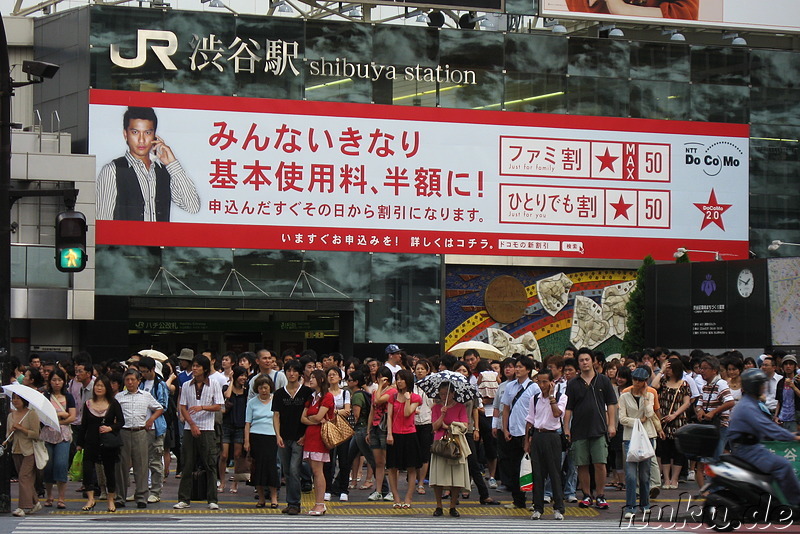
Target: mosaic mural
[(581, 307)]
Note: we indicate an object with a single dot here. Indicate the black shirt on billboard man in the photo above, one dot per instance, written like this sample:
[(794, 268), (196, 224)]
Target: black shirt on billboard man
[(143, 184)]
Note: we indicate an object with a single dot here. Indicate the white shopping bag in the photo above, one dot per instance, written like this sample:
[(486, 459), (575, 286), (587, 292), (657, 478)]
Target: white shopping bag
[(640, 448), (526, 474)]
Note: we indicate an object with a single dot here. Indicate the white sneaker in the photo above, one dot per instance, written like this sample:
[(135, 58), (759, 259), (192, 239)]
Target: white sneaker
[(628, 515), (375, 496), (572, 499), (36, 507), (181, 505), (213, 506), (344, 497), (558, 516), (389, 497), (327, 497), (536, 515), (548, 499), (690, 476), (19, 512), (492, 483), (531, 508), (130, 498), (153, 499)]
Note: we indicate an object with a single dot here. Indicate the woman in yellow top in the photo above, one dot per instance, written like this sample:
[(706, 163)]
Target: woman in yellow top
[(24, 423)]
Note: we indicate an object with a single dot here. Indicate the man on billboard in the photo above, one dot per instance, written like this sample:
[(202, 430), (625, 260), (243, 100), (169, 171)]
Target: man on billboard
[(143, 184), (668, 9)]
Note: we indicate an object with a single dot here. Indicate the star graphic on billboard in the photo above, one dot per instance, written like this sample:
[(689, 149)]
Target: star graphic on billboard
[(607, 161), (621, 208), (712, 211)]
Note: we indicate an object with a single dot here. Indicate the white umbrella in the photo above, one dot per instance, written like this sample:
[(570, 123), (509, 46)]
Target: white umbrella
[(155, 354), (36, 402), (485, 350)]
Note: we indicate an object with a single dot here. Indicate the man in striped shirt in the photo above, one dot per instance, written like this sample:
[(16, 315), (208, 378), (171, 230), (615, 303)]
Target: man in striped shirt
[(143, 184), (200, 399)]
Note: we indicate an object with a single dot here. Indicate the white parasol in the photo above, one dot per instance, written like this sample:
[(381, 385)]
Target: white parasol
[(155, 354), (36, 402), (485, 350)]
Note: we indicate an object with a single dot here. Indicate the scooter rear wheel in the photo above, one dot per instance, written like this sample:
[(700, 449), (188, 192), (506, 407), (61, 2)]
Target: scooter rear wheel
[(719, 514)]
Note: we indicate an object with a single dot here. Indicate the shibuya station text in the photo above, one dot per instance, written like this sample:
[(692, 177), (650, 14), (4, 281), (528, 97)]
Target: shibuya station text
[(374, 71)]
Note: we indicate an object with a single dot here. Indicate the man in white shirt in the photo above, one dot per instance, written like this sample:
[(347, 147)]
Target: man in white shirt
[(393, 357), (768, 366), (140, 410)]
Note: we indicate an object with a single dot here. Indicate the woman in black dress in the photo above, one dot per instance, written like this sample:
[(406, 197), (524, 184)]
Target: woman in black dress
[(98, 436)]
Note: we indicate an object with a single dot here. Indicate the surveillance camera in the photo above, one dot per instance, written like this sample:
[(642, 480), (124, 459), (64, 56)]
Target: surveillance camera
[(40, 69)]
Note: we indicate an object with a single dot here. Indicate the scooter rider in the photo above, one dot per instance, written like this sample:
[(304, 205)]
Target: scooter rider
[(750, 425)]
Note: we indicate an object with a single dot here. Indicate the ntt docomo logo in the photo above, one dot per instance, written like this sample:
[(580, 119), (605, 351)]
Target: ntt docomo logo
[(713, 158)]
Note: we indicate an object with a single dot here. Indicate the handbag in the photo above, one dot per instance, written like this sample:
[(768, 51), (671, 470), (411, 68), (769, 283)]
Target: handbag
[(717, 419), (336, 431), (639, 448), (40, 454), (76, 468), (242, 468), (447, 447), (110, 440)]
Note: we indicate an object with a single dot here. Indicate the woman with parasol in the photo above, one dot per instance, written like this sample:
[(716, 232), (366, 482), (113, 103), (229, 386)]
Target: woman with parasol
[(449, 415), (23, 429)]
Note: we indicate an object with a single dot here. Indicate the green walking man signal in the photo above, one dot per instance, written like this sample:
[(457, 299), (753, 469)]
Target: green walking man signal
[(71, 242)]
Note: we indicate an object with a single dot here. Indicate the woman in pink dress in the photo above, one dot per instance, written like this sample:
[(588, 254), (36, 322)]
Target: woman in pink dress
[(318, 408)]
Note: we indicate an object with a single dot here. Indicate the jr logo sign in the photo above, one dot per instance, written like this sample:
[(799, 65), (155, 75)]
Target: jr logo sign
[(167, 45)]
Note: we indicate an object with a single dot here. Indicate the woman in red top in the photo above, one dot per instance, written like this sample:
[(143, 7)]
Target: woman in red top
[(318, 408), (402, 447)]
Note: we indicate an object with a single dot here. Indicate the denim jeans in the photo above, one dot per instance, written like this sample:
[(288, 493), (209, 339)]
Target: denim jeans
[(291, 459), (636, 472), (57, 466)]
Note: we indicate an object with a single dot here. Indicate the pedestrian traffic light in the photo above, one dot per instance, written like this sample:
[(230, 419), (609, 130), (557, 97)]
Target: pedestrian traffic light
[(71, 242)]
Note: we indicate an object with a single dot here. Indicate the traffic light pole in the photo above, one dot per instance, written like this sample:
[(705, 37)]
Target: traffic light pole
[(6, 92)]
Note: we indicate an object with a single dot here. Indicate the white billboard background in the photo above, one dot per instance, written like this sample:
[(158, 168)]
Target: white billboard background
[(474, 152)]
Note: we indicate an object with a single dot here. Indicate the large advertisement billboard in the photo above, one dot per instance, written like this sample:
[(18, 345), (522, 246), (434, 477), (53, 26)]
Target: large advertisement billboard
[(280, 174), (765, 15)]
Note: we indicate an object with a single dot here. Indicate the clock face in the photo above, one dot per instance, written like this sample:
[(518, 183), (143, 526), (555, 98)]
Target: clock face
[(745, 283)]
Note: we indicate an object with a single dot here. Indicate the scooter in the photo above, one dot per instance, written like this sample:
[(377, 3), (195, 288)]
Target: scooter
[(736, 492)]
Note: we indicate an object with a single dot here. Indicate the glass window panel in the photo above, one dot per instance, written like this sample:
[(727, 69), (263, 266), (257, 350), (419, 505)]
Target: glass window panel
[(401, 45), (535, 93), (770, 105), (659, 100), (41, 270), (331, 40), (660, 61), (720, 64), (536, 53), (283, 40), (205, 270), (597, 96), (489, 89), (599, 57), (720, 103), (775, 68), (194, 31), (337, 88), (522, 7), (404, 92), (131, 271), (112, 25), (470, 49), (389, 321), (18, 263)]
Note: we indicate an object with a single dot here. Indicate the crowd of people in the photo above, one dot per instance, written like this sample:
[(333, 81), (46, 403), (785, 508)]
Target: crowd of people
[(262, 413)]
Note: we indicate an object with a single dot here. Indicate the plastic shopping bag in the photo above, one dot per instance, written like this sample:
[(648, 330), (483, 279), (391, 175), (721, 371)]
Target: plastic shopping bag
[(526, 474), (640, 448), (76, 469)]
